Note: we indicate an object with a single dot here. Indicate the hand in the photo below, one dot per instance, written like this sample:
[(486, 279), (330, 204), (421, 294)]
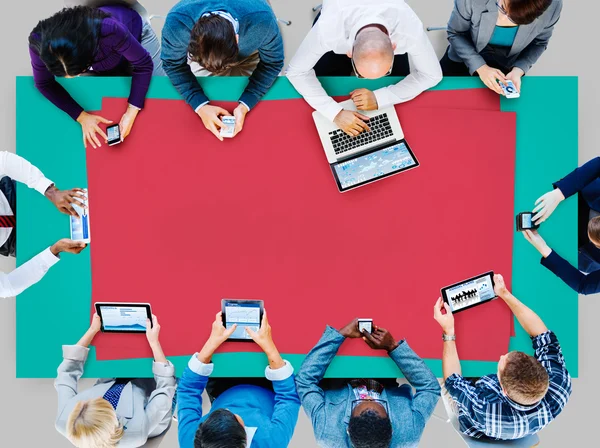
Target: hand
[(546, 205), (152, 331), (89, 126), (490, 77), (210, 116), (127, 121), (351, 330), (240, 115), (515, 76), (500, 287), (63, 199), (263, 336), (446, 320), (364, 99), (380, 339), (96, 324), (219, 333), (352, 123), (538, 242), (67, 245)]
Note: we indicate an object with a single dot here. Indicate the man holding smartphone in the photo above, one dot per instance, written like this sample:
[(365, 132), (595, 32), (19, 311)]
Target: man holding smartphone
[(244, 413), (366, 413)]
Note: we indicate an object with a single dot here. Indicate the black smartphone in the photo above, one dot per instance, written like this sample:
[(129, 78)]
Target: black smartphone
[(525, 222), (113, 132)]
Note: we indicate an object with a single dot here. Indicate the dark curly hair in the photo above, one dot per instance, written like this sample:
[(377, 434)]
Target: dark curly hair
[(220, 430), (67, 42), (370, 430), (213, 44)]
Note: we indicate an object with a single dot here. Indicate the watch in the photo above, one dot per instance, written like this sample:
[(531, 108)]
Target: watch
[(448, 337)]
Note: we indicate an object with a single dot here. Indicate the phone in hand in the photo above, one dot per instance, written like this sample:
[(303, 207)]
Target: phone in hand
[(510, 90), (113, 132), (365, 324), (525, 222), (228, 128)]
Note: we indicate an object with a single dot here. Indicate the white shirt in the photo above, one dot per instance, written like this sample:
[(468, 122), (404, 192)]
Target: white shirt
[(27, 274), (336, 30)]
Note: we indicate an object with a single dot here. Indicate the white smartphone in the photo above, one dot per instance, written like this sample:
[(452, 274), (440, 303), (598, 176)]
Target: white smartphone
[(80, 226), (229, 126), (510, 90)]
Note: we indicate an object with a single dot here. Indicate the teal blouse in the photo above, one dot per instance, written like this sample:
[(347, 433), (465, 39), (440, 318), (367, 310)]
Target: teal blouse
[(504, 36)]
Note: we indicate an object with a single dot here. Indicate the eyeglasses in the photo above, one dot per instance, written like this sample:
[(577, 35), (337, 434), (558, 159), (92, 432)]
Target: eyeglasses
[(358, 75), (504, 12), (382, 403)]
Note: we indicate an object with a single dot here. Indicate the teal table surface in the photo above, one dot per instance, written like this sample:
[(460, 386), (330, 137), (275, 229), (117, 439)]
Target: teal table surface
[(56, 311)]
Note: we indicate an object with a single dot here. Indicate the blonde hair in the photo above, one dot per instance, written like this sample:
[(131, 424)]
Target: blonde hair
[(94, 424)]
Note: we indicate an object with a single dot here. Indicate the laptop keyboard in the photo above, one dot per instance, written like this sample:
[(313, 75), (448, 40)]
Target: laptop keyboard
[(380, 129)]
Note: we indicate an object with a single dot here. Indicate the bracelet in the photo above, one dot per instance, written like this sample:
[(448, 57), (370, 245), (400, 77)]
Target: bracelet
[(448, 337)]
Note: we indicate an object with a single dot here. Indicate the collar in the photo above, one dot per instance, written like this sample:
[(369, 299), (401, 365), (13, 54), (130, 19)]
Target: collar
[(518, 406), (125, 406), (366, 21), (250, 431), (226, 16), (351, 398)]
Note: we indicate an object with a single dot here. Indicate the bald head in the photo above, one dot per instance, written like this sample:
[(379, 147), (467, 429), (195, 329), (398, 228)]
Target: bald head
[(373, 52)]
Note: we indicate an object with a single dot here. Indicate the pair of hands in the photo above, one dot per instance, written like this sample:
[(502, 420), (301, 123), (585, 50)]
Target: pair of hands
[(492, 76), (220, 334), (211, 117), (90, 125), (544, 207), (443, 315), (63, 200), (152, 334), (352, 122), (379, 339)]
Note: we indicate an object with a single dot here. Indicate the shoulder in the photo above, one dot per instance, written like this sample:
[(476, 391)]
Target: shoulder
[(112, 27)]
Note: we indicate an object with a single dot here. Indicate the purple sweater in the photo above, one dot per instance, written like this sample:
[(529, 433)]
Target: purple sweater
[(119, 42)]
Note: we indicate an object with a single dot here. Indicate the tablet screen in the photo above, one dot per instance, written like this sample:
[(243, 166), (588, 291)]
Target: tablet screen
[(470, 292), (374, 165), (123, 318), (244, 315)]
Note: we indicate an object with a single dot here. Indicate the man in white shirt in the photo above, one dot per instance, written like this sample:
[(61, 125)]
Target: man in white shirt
[(372, 33), (14, 168)]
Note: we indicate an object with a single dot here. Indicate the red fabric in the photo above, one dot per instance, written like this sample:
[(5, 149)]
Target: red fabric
[(7, 221), (259, 216)]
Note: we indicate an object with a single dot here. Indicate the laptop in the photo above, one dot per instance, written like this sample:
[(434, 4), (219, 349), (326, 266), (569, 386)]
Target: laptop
[(370, 156)]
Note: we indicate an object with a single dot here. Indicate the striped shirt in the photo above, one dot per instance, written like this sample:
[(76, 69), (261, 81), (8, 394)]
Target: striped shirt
[(485, 411)]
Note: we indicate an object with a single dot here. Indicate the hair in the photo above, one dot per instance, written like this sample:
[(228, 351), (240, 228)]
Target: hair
[(213, 44), (594, 230), (524, 378), (524, 12), (68, 41), (220, 430), (94, 424), (370, 430)]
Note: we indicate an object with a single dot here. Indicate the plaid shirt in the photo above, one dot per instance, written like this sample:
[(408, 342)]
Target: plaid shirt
[(485, 411)]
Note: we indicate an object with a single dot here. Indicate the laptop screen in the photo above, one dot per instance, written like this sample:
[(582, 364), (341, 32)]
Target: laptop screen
[(374, 165)]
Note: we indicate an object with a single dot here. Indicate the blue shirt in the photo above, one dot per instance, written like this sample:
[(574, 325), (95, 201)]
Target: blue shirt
[(485, 411), (504, 36)]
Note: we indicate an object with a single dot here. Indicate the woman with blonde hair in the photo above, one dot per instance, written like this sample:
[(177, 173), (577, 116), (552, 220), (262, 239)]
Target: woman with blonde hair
[(114, 412)]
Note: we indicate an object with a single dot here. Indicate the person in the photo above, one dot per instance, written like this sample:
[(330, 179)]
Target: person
[(123, 412), (242, 414), (222, 37), (15, 168), (586, 181), (372, 41), (499, 40), (84, 40), (366, 413), (526, 393)]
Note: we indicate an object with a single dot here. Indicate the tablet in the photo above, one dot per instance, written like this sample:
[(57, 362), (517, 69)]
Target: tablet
[(123, 317), (470, 293), (244, 313)]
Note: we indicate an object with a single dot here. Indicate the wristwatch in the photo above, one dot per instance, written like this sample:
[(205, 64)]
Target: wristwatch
[(448, 337)]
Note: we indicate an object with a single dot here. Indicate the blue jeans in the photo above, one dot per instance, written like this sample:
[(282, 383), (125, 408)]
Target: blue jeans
[(151, 44)]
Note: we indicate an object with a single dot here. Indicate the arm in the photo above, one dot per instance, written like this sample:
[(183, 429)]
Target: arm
[(287, 403), (51, 89), (579, 178), (450, 359), (175, 39), (312, 372), (425, 73), (459, 35), (583, 284), (19, 169), (189, 399), (27, 274), (530, 54), (301, 74), (271, 62)]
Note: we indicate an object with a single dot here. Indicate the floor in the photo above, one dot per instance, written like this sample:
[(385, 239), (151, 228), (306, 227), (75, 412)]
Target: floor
[(29, 411)]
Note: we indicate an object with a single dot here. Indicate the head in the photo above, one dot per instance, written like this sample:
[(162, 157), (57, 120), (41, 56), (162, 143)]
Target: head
[(372, 52), (67, 42), (214, 44), (222, 429), (94, 424), (524, 12), (594, 231), (523, 378), (370, 426)]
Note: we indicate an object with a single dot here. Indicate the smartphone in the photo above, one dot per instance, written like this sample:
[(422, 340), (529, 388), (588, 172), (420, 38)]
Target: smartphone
[(525, 222), (510, 90), (80, 226), (113, 132), (229, 126), (365, 324)]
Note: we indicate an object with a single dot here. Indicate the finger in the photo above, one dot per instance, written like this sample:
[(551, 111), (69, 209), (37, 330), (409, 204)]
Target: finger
[(221, 111), (363, 125), (230, 331), (537, 216), (447, 308), (148, 325), (77, 202), (369, 337), (265, 321), (101, 132), (91, 142), (71, 211), (103, 120), (212, 128), (218, 317), (501, 76), (96, 140), (352, 132), (527, 235), (154, 320), (361, 116), (539, 206), (84, 141)]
